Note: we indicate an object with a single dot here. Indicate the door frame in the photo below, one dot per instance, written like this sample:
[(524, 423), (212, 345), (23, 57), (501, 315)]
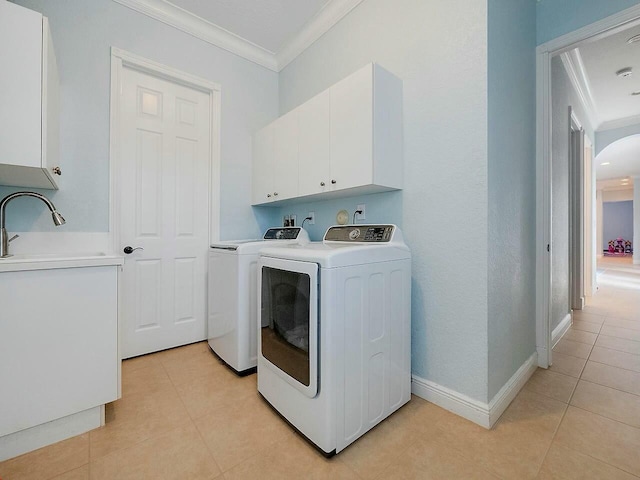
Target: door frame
[(544, 53), (121, 59), (576, 212)]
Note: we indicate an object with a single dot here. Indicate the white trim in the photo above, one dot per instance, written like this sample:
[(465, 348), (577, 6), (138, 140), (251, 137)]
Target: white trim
[(209, 32), (605, 27), (619, 123), (202, 29), (324, 20), (509, 390), (484, 414), (573, 64), (561, 329), (543, 209)]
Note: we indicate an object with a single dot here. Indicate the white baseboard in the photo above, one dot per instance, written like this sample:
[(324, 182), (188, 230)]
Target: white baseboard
[(484, 414), (40, 436), (560, 330)]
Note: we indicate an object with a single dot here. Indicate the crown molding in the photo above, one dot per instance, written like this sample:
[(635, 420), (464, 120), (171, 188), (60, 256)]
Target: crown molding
[(187, 22), (183, 20), (320, 24), (574, 66), (619, 123)]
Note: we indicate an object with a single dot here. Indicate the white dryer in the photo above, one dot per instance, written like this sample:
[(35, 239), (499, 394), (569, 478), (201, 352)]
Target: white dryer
[(334, 349), (232, 318)]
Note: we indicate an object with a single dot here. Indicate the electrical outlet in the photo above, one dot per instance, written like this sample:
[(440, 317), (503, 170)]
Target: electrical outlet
[(312, 219), (363, 208)]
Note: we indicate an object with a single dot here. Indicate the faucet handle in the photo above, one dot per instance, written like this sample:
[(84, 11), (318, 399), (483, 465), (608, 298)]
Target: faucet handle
[(13, 238)]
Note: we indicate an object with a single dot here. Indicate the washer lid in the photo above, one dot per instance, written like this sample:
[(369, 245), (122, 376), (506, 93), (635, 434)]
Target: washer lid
[(273, 236)]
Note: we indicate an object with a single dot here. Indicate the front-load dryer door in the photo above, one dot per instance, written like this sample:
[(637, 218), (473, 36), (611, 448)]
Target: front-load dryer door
[(288, 310)]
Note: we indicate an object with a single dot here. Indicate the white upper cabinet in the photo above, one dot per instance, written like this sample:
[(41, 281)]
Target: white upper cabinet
[(285, 147), (263, 164), (345, 141), (351, 130), (29, 99), (314, 140), (275, 160)]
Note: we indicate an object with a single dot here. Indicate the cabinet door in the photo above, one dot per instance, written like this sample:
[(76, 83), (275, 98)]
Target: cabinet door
[(262, 182), (352, 130), (59, 353), (20, 85), (314, 145), (285, 147)]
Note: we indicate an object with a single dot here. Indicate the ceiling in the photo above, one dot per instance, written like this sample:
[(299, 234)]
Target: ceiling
[(611, 94), (266, 23), (608, 101), (270, 33)]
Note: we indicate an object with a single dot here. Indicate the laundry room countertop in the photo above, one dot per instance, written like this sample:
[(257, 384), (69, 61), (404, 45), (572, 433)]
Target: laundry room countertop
[(58, 260)]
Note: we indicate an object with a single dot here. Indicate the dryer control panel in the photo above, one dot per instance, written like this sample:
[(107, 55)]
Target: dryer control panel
[(360, 233)]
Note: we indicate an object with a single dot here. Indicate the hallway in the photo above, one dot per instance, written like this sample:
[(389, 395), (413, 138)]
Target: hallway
[(596, 370)]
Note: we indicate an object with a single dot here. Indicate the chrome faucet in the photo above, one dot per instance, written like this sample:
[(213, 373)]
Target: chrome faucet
[(4, 240)]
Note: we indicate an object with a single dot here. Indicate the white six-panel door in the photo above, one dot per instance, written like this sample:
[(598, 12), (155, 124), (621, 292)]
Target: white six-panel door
[(163, 207)]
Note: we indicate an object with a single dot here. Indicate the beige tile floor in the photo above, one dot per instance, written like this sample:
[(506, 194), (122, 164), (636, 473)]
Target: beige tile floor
[(183, 415)]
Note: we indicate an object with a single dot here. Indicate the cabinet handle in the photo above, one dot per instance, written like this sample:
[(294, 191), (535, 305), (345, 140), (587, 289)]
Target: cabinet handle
[(275, 194), (57, 171), (268, 195), (333, 182), (322, 184)]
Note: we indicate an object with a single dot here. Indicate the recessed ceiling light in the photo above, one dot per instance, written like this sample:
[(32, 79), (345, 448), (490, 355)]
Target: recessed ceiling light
[(625, 72), (634, 39), (606, 163)]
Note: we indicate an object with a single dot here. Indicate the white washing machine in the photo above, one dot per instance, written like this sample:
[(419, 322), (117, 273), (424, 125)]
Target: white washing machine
[(334, 349), (232, 318)]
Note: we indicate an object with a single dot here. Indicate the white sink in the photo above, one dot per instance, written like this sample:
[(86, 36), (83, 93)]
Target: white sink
[(45, 261), (29, 257)]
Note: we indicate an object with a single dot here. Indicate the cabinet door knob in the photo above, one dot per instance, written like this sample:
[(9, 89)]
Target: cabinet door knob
[(57, 171), (322, 184), (275, 194), (333, 182), (268, 195)]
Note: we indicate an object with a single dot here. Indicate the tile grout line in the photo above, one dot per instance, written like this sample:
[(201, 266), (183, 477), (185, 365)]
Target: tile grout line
[(192, 420)]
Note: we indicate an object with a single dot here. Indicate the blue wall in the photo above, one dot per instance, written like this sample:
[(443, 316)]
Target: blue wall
[(555, 18), (380, 208), (617, 221), (511, 191)]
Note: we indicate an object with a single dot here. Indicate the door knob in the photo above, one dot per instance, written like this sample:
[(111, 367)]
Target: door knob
[(129, 250)]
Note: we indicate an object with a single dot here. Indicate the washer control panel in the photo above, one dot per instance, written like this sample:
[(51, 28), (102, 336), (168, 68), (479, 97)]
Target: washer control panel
[(284, 233), (360, 233)]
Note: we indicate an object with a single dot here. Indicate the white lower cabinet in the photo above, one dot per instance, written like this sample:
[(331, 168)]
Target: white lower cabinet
[(58, 344), (345, 140)]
